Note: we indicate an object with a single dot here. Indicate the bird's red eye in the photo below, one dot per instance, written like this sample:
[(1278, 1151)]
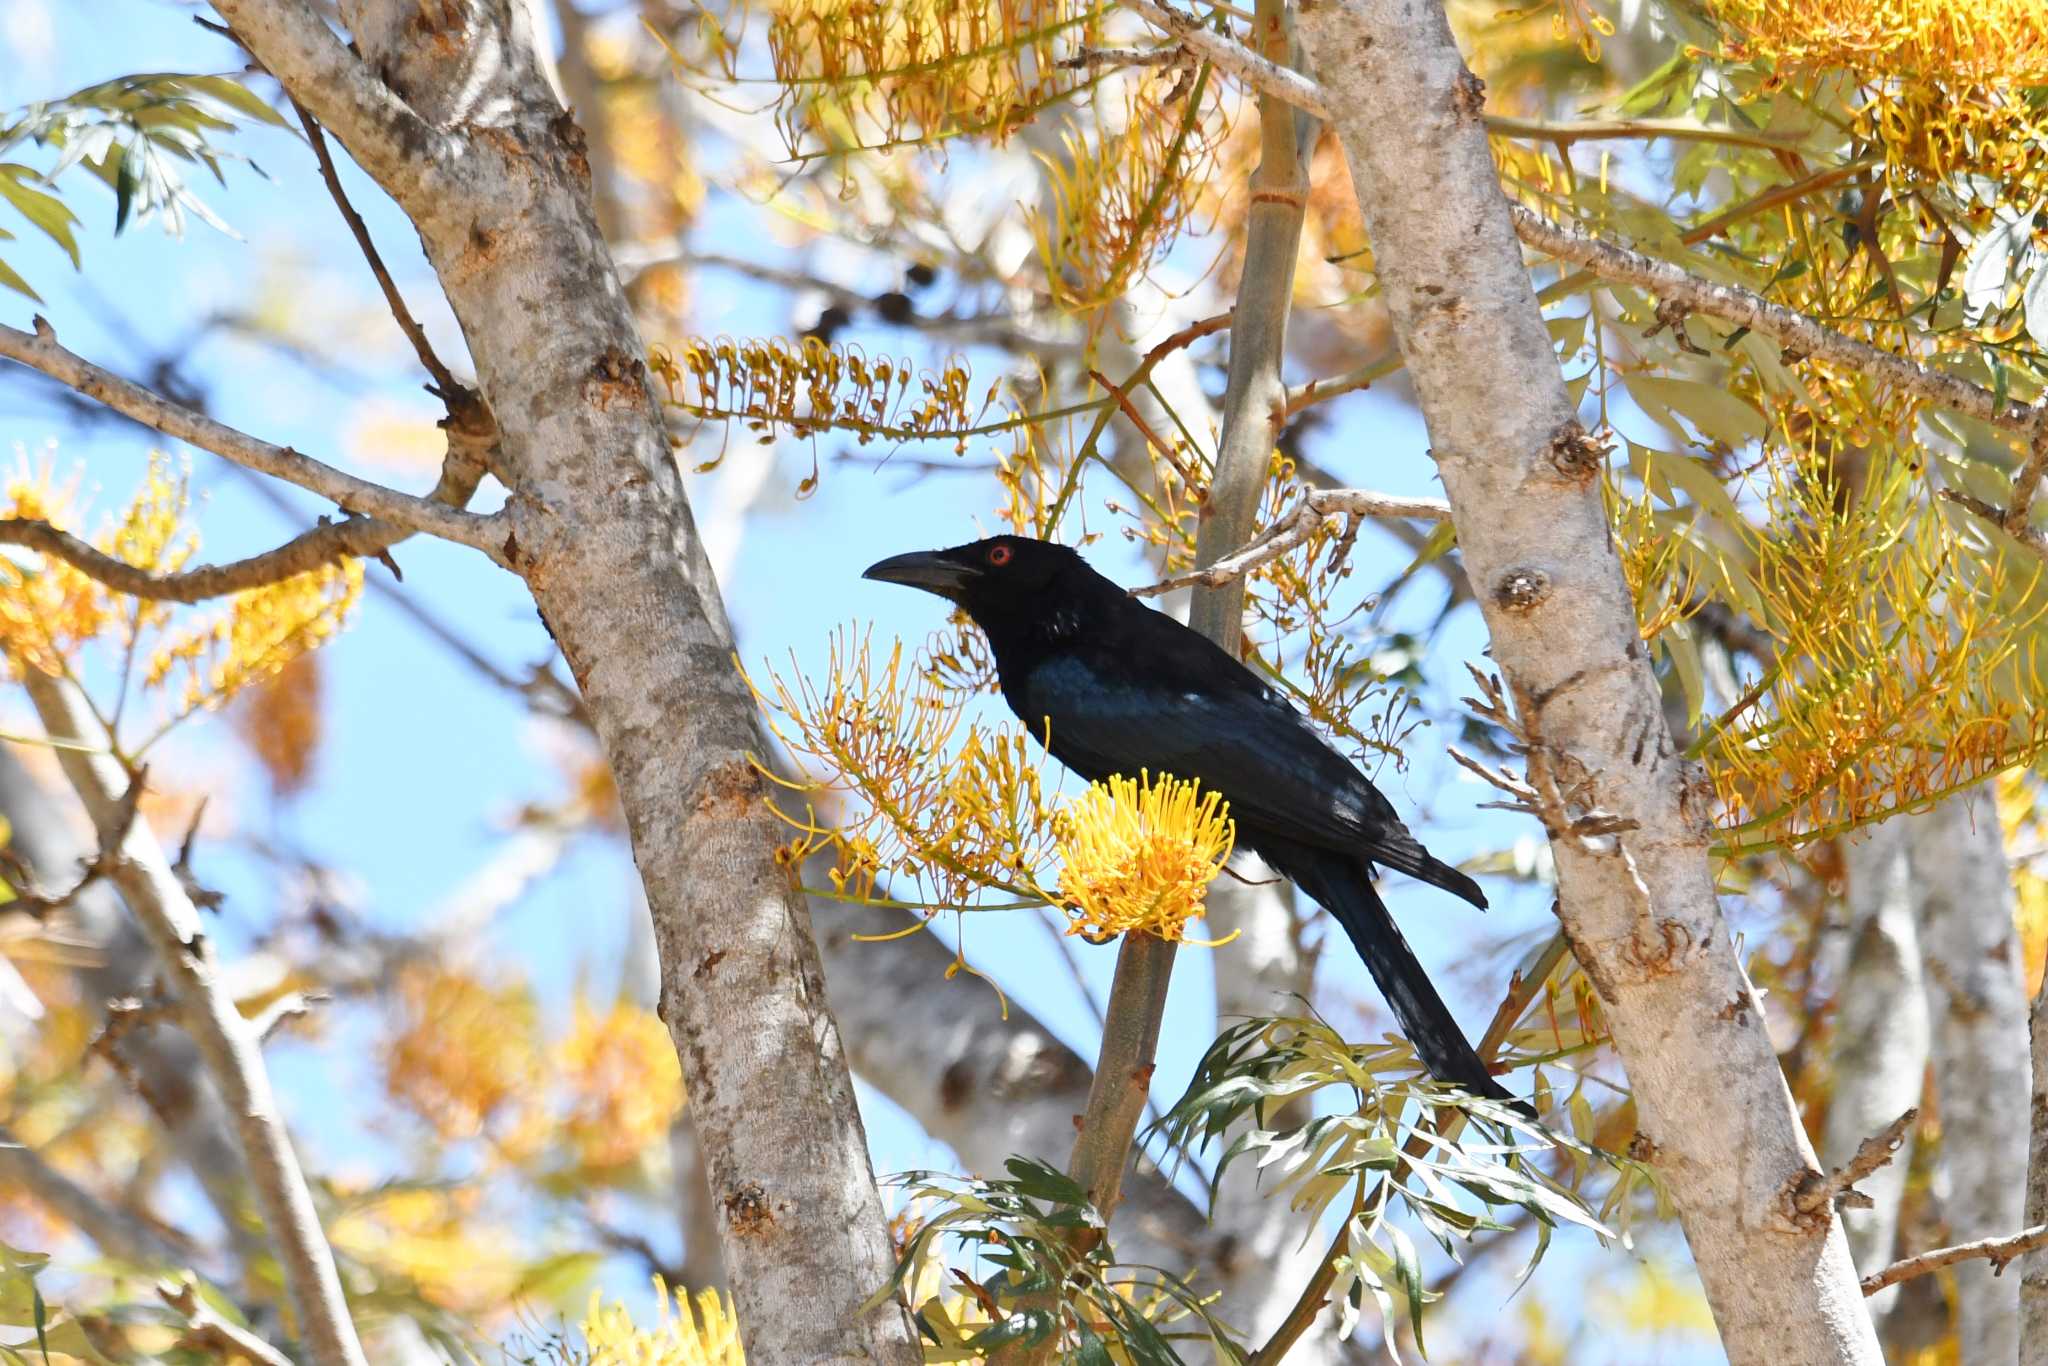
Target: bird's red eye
[(999, 554)]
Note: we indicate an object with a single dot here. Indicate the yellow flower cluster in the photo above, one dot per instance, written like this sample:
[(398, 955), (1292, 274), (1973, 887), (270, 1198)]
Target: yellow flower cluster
[(1908, 658), (954, 820), (1945, 81), (948, 814), (1121, 198), (466, 1055), (621, 1086), (877, 72), (262, 631), (48, 610), (703, 1335), (808, 386), (468, 1058), (1140, 855)]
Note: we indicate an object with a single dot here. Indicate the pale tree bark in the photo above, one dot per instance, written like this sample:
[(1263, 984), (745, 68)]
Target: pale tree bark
[(228, 1045), (498, 187), (162, 1059), (1636, 895), (2034, 1266), (1976, 1002), (1879, 1061)]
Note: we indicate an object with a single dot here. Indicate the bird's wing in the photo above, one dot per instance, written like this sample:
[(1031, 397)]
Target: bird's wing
[(1246, 743)]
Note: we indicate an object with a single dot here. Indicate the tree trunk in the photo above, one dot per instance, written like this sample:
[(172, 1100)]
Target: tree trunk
[(1880, 1050), (499, 187), (1522, 477), (1976, 1002), (2034, 1266)]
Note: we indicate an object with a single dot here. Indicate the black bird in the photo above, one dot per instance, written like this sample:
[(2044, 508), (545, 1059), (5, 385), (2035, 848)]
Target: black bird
[(1119, 687)]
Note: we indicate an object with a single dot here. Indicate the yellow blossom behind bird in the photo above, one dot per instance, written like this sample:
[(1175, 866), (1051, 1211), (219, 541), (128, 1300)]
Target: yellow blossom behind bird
[(934, 812)]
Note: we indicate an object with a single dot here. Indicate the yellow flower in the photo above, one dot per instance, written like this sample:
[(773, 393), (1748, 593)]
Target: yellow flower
[(466, 1056), (1945, 81), (1993, 42), (1140, 855), (622, 1086), (705, 1335)]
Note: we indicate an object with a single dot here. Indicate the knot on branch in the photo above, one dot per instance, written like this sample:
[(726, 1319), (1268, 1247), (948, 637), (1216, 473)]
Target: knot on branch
[(1574, 453), (1522, 589), (1672, 313), (1812, 1198)]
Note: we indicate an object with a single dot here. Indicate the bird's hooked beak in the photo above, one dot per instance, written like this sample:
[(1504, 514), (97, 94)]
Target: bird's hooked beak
[(926, 569)]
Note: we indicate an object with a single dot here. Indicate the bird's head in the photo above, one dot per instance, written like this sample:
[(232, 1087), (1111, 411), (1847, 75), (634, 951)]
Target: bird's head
[(1003, 577)]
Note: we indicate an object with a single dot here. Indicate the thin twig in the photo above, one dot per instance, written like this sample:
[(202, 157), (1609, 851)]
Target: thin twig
[(1268, 77), (1997, 1251), (208, 1332), (446, 386), (293, 1005), (1090, 58), (41, 351), (2027, 482), (1317, 507), (1991, 512)]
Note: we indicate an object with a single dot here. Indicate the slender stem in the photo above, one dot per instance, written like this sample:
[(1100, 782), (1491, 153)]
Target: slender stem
[(1252, 398), (446, 384)]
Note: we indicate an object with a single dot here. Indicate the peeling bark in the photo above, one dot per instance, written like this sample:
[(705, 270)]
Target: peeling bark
[(1977, 1005), (604, 538), (1638, 906)]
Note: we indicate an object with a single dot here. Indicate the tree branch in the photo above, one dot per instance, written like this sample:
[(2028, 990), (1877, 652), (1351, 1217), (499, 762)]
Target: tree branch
[(382, 132), (226, 1043), (1638, 901), (1316, 507), (115, 1231), (41, 351), (446, 386), (328, 544), (1266, 76), (1788, 327), (1997, 1251), (210, 1333)]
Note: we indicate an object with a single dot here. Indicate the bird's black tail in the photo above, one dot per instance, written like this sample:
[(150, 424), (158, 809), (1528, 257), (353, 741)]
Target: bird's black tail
[(1346, 892)]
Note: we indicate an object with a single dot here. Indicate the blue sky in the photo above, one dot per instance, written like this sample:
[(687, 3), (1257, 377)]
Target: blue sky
[(423, 765)]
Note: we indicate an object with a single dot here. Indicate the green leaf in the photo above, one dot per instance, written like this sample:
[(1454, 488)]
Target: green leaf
[(234, 94), (2035, 302), (1021, 1327), (46, 211), (1717, 413), (13, 281), (1043, 1182)]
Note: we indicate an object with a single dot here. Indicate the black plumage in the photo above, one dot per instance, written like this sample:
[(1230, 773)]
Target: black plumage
[(1118, 687)]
